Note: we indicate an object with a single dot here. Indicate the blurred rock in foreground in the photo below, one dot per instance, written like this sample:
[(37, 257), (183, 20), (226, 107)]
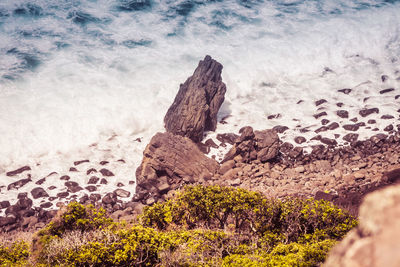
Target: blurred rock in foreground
[(375, 242)]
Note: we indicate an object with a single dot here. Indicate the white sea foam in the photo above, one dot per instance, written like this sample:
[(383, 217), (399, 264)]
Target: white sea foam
[(117, 73)]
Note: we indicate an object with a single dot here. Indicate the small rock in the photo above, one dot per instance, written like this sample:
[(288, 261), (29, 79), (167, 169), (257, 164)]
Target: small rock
[(274, 116), (316, 138), (317, 116), (226, 166), (386, 91), (333, 126), (227, 138), (368, 111), (109, 198), (389, 128), (280, 128), (328, 141), (351, 127), (93, 180), (342, 114), (73, 187), (300, 139), (46, 205), (359, 175), (320, 102), (322, 129), (210, 143), (18, 171), (106, 172), (4, 204), (40, 181), (65, 177), (150, 201), (324, 121), (350, 137), (39, 192), (90, 171), (95, 197), (122, 193), (345, 91), (387, 117), (62, 194), (235, 182), (91, 188), (76, 163), (18, 184)]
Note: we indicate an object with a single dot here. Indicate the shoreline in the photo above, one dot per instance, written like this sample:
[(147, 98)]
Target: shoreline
[(342, 175)]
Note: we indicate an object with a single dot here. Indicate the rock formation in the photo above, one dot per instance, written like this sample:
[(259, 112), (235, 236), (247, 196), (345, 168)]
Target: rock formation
[(375, 241), (168, 161), (196, 105), (261, 145)]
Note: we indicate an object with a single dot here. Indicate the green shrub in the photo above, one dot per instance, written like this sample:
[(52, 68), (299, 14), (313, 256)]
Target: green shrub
[(217, 207), (138, 246), (200, 226), (78, 217), (14, 254), (74, 217)]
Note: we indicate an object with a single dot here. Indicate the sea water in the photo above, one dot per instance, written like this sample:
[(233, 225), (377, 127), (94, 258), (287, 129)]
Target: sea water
[(79, 73)]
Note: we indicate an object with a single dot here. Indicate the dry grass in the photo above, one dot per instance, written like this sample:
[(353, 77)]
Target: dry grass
[(7, 239), (74, 240)]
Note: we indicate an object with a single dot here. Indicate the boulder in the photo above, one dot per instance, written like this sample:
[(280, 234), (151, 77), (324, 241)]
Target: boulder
[(122, 193), (18, 184), (18, 171), (375, 240), (4, 204), (39, 192), (73, 187), (109, 198), (196, 105), (261, 145), (106, 172), (171, 160)]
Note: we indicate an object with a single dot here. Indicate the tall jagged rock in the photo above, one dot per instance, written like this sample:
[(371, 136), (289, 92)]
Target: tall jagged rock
[(196, 105), (168, 162), (375, 241)]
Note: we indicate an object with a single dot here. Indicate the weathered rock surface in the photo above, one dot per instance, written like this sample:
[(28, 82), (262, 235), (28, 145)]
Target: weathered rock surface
[(168, 161), (252, 145), (196, 105), (18, 171), (39, 192), (375, 241)]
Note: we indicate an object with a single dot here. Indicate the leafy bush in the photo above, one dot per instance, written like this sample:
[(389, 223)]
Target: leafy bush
[(217, 207), (200, 226), (74, 217), (14, 254), (78, 217)]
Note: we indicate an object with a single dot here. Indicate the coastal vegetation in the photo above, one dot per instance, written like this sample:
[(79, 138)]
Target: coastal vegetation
[(198, 226)]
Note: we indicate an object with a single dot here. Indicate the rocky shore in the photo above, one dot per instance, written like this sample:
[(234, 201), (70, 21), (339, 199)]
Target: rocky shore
[(256, 160)]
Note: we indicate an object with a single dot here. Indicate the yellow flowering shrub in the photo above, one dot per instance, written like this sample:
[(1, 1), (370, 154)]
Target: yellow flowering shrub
[(14, 254), (200, 226)]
